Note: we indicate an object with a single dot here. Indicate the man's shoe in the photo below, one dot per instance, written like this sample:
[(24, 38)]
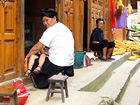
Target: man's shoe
[(105, 59), (111, 58)]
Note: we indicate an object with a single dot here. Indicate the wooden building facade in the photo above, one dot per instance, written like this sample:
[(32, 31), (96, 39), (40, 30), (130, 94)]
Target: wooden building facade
[(17, 15)]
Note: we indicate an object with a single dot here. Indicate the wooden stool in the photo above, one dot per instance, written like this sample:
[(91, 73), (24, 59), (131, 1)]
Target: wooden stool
[(11, 92), (98, 54), (63, 85)]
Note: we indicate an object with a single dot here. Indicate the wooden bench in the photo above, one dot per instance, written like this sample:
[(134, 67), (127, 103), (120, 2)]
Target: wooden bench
[(62, 80), (11, 92)]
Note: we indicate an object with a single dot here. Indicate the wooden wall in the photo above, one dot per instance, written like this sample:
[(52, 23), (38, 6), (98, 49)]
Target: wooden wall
[(12, 31), (101, 9), (71, 13), (32, 15)]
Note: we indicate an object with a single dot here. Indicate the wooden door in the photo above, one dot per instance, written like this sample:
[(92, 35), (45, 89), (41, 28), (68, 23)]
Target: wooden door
[(8, 41), (98, 9), (71, 13), (95, 10), (64, 9)]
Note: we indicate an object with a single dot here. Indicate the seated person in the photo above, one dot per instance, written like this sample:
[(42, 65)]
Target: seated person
[(98, 43), (42, 55), (61, 51)]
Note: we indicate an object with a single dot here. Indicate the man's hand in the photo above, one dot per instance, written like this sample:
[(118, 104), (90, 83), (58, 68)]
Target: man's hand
[(25, 64), (25, 60), (95, 42)]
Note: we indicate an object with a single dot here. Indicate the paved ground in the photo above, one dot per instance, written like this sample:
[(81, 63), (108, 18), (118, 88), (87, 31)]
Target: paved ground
[(82, 77), (90, 83)]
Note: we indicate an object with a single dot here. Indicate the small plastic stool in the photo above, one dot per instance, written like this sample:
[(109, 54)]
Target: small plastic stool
[(62, 80), (11, 92)]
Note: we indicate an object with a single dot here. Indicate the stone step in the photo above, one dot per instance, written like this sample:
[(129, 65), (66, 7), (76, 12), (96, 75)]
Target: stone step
[(132, 93), (116, 85), (102, 72)]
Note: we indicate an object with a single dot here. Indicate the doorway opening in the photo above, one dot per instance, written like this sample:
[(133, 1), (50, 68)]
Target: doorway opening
[(85, 26), (33, 23)]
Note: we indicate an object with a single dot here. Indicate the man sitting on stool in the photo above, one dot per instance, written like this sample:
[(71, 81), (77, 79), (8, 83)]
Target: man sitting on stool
[(98, 43)]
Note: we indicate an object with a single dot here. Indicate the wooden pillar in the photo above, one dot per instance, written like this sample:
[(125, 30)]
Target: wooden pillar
[(89, 30), (104, 15), (21, 46), (109, 31), (76, 26), (81, 23)]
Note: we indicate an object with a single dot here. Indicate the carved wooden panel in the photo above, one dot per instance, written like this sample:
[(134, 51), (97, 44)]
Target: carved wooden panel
[(100, 3), (68, 14), (9, 17), (72, 15), (98, 9), (9, 56), (0, 18), (0, 59), (95, 1)]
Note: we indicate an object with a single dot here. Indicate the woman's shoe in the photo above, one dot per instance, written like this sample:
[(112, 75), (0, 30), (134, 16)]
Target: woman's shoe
[(37, 71), (28, 73)]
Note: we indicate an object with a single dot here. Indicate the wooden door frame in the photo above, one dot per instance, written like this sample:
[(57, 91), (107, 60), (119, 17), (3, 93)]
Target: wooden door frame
[(20, 34)]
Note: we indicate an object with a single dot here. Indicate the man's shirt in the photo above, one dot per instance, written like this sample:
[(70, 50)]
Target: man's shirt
[(97, 35)]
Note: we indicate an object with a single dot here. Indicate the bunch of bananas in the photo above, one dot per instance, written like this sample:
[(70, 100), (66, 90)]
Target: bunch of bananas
[(134, 56), (125, 46), (129, 9), (119, 6)]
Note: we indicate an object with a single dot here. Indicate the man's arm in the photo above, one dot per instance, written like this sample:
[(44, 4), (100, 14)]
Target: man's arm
[(95, 42), (36, 48), (42, 51), (94, 33)]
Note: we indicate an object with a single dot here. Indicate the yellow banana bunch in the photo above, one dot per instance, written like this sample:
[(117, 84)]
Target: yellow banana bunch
[(119, 6), (129, 9), (135, 55), (132, 58)]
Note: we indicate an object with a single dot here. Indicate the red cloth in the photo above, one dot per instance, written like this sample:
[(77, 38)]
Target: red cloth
[(112, 18)]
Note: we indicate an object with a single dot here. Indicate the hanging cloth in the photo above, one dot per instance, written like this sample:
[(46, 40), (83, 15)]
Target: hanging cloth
[(112, 17), (121, 19), (129, 9)]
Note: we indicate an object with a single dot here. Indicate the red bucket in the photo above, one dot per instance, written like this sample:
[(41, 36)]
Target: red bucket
[(21, 100)]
